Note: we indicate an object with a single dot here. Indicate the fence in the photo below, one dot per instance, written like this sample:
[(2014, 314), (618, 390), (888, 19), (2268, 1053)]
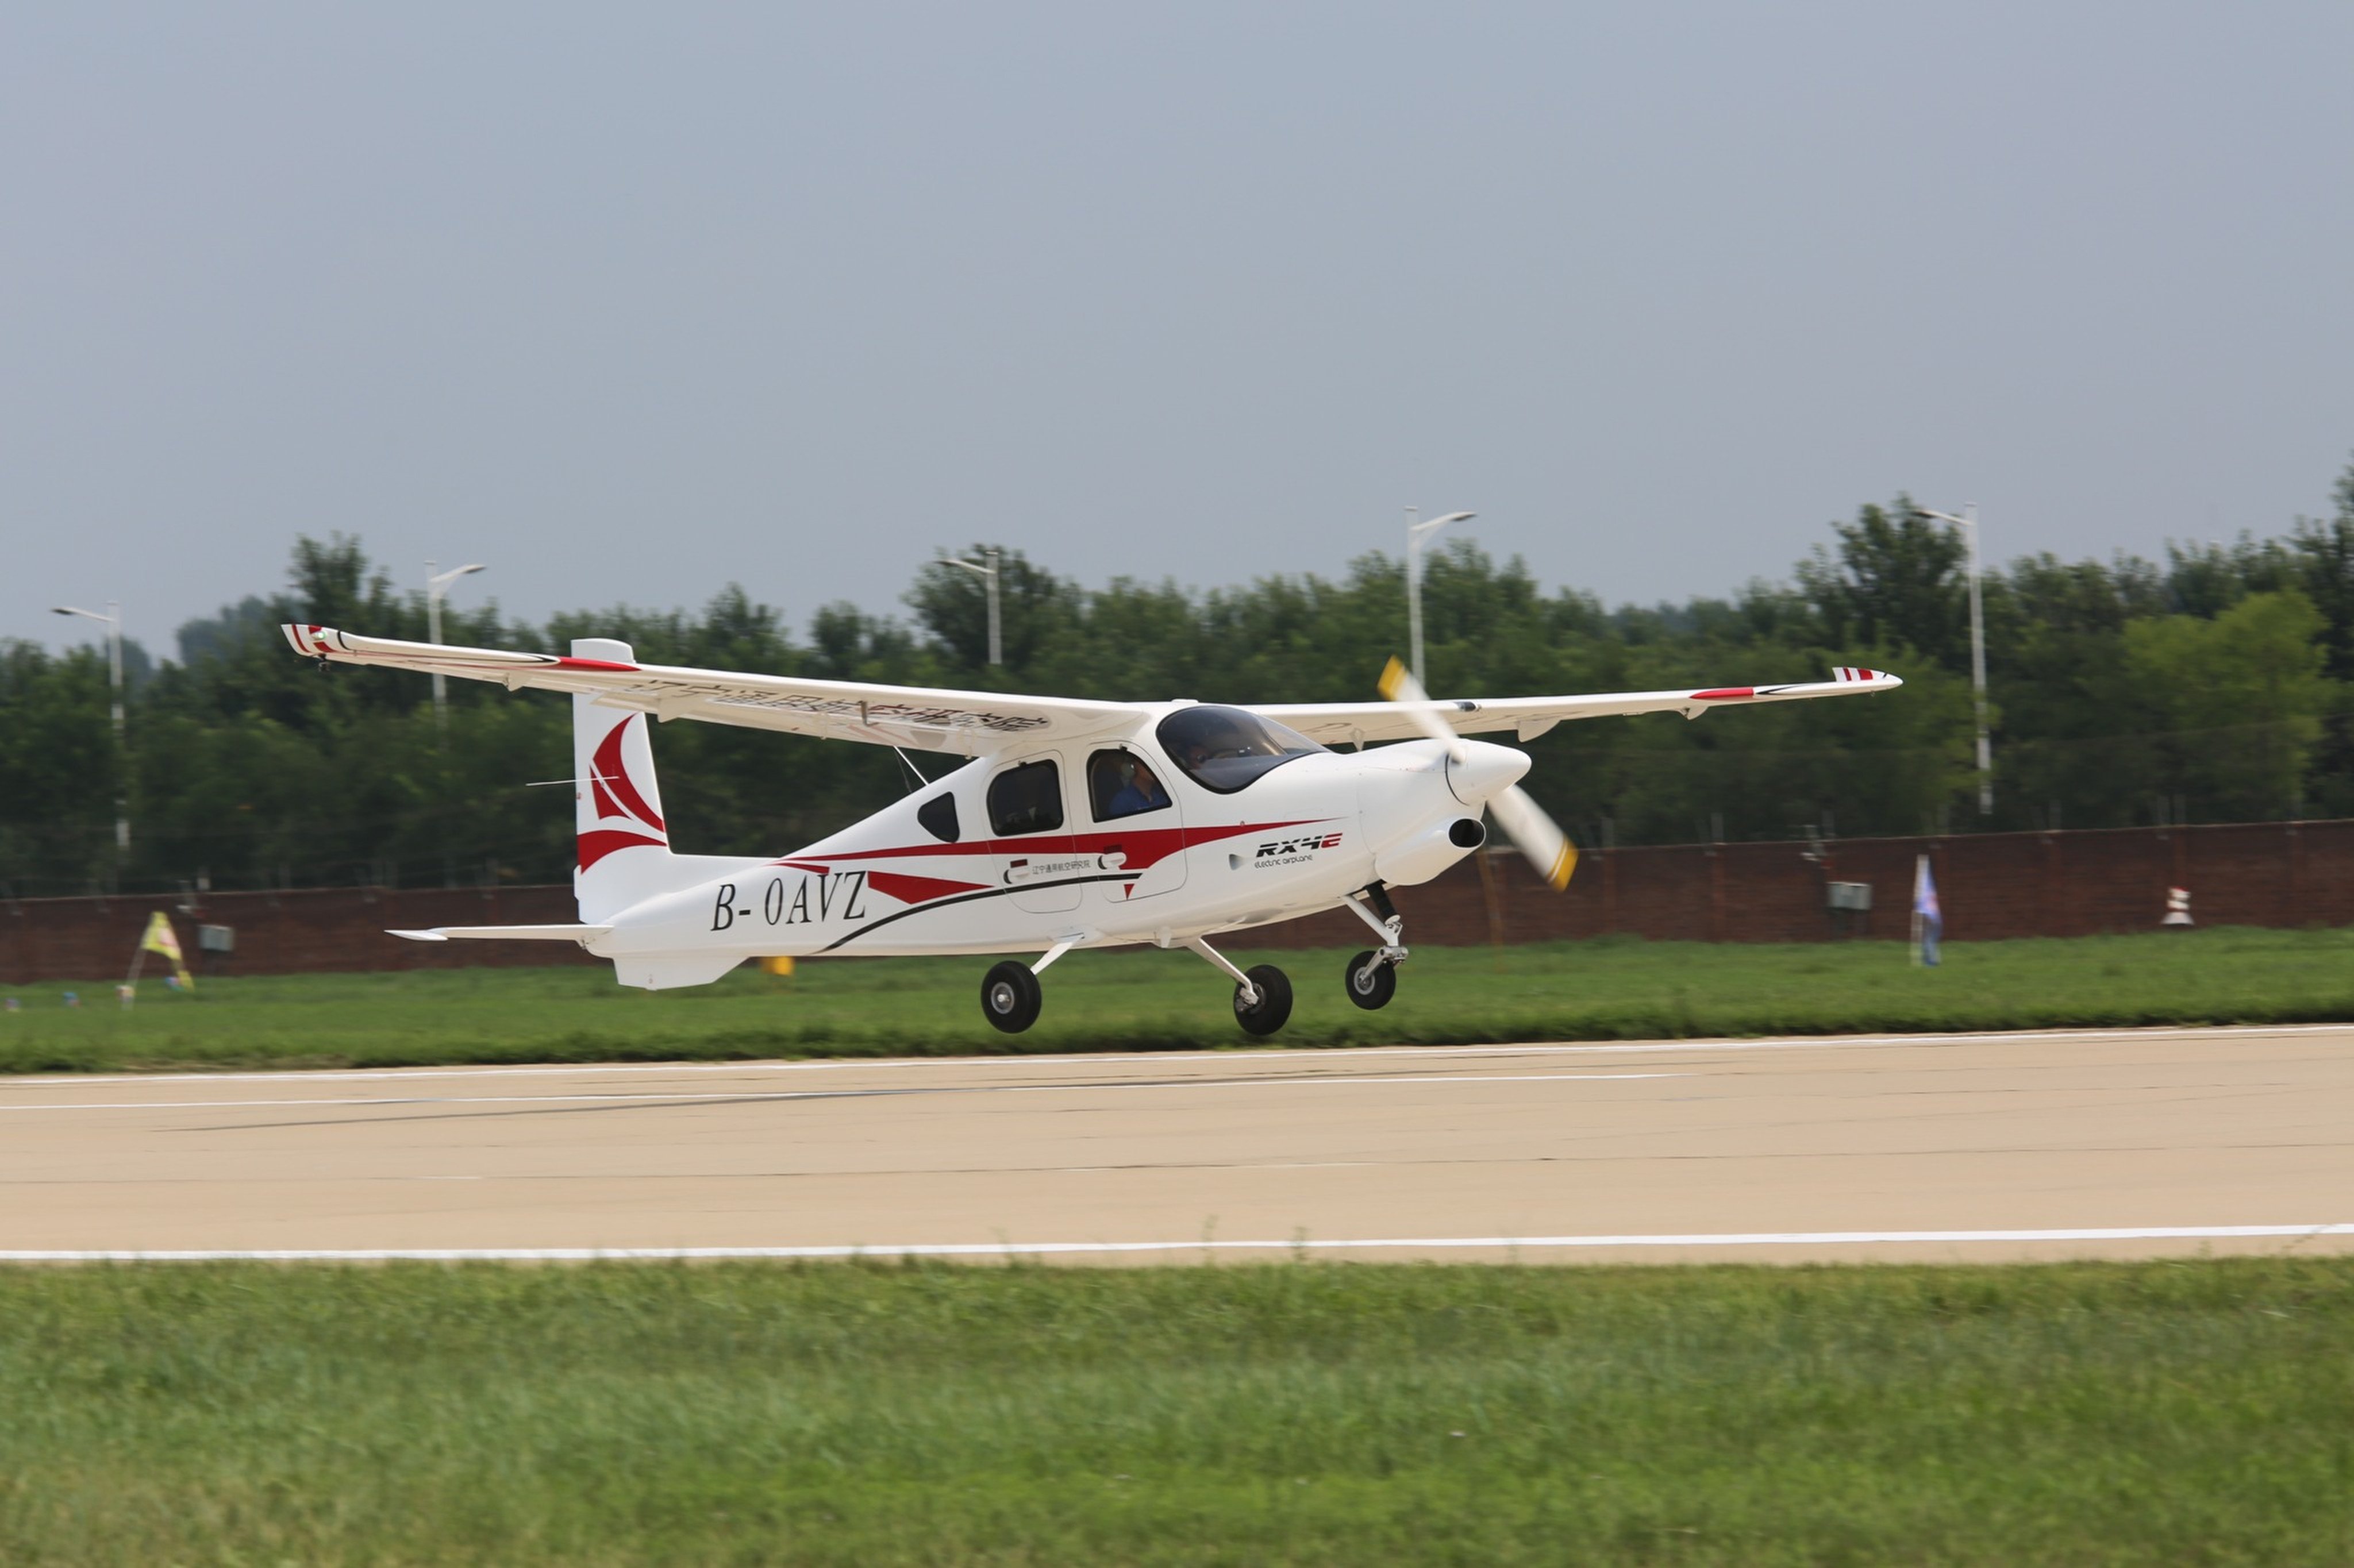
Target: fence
[(1991, 884)]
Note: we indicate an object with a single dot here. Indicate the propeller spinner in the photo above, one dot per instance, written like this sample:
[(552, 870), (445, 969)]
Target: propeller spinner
[(1533, 833)]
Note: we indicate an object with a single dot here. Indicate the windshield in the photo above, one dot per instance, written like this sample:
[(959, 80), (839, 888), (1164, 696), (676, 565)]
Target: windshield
[(1224, 748)]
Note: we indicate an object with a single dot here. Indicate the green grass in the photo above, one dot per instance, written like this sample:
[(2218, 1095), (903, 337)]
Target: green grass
[(2178, 1413), (1611, 988)]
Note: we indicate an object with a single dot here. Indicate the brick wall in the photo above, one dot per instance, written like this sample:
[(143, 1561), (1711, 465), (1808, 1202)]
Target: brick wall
[(306, 931), (1992, 884)]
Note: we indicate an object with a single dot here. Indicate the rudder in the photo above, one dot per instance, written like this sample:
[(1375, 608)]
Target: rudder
[(624, 846)]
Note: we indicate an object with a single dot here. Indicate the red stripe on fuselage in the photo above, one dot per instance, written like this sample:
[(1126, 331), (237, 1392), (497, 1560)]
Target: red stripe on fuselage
[(1140, 848), (910, 889), (1725, 694)]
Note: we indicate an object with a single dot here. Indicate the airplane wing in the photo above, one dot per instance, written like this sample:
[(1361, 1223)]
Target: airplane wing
[(1528, 717), (969, 723)]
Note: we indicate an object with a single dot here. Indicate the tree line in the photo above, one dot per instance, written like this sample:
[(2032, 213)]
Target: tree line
[(2215, 685)]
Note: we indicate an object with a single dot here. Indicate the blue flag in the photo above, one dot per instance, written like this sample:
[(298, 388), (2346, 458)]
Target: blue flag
[(1928, 919)]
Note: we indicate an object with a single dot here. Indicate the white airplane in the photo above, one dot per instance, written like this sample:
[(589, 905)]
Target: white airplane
[(1076, 823)]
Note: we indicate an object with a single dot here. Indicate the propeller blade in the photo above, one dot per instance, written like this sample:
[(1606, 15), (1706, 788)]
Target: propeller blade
[(1535, 835), (1524, 821), (1400, 687)]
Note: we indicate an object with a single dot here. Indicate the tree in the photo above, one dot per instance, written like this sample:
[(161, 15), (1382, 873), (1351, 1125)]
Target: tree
[(1897, 579), (2241, 696), (951, 604), (2324, 559)]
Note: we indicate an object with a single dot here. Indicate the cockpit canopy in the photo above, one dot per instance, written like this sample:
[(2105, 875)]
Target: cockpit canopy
[(1224, 749)]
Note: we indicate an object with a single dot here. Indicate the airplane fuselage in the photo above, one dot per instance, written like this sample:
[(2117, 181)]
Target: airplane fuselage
[(921, 877)]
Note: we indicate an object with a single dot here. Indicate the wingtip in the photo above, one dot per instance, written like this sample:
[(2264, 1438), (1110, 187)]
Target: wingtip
[(419, 936)]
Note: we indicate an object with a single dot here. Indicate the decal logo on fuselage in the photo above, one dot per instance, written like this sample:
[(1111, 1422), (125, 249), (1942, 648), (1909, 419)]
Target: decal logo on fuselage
[(1022, 871), (1292, 852)]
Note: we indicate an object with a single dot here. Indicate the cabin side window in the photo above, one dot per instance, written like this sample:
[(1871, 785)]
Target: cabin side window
[(1027, 800), (1122, 784), (939, 818)]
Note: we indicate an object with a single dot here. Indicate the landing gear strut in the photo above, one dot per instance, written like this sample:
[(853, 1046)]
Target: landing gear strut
[(1372, 978), (1010, 996), (1262, 997), (1268, 1011), (1010, 993)]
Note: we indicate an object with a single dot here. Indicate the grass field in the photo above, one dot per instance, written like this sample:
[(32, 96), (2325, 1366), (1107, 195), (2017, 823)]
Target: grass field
[(1609, 989), (2156, 1413)]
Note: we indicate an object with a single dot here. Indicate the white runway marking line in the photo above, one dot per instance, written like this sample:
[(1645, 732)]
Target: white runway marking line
[(852, 1063), (1039, 1249), (740, 1097)]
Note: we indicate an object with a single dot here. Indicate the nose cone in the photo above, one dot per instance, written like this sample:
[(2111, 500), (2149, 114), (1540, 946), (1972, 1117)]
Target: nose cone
[(1483, 769)]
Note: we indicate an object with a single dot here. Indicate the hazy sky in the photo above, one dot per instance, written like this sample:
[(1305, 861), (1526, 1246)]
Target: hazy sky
[(629, 302)]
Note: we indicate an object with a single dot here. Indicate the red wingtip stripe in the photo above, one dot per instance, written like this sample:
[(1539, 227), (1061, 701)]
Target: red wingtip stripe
[(570, 664)]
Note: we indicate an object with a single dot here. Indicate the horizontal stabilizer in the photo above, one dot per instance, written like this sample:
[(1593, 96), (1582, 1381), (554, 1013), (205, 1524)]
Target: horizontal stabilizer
[(508, 933)]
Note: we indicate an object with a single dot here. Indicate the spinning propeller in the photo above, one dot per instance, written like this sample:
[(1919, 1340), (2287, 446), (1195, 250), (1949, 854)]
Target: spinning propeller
[(1524, 821)]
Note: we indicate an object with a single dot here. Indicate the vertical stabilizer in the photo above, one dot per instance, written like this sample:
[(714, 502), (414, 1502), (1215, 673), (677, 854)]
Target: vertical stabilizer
[(624, 846)]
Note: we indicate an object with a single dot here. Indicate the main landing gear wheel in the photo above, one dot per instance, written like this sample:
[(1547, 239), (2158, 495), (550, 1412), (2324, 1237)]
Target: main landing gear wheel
[(1010, 997), (1373, 979), (1274, 1005)]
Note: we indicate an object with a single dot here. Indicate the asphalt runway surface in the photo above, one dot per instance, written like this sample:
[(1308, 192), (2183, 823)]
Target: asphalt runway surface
[(2102, 1143)]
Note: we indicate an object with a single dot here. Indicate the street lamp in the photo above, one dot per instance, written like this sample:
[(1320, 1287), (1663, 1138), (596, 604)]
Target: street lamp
[(1969, 524), (435, 586), (988, 574), (1415, 533), (112, 621)]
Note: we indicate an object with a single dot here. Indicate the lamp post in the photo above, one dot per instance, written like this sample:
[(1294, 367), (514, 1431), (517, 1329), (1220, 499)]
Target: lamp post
[(112, 621), (1969, 524), (988, 575), (1414, 534), (435, 588)]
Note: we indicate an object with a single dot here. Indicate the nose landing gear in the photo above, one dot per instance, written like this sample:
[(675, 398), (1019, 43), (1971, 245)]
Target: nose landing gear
[(1372, 978)]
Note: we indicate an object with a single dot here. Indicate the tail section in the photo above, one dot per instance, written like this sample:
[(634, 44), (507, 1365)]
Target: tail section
[(624, 845), (622, 852)]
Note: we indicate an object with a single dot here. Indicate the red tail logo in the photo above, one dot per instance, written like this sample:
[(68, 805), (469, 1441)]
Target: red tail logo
[(616, 794)]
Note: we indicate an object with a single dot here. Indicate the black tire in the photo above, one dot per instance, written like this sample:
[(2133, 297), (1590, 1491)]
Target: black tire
[(1010, 997), (1371, 982), (1274, 1001)]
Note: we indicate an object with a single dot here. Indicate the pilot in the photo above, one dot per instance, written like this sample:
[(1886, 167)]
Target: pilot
[(1142, 792)]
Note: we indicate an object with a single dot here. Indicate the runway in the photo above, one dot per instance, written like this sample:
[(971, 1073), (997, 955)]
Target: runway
[(2099, 1143)]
